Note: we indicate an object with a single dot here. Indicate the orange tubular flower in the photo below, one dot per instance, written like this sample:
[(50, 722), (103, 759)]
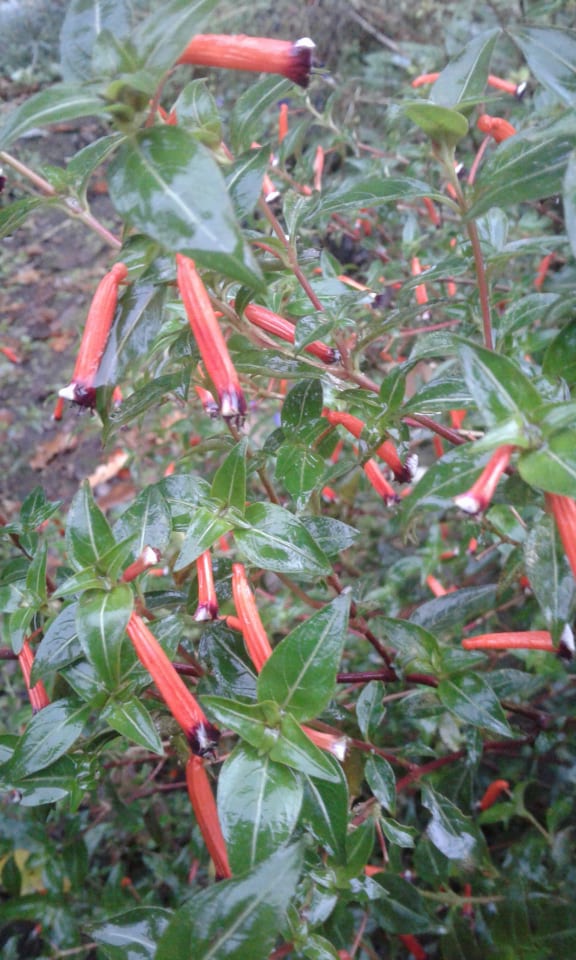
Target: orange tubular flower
[(564, 512), (255, 54), (495, 127), (420, 291), (147, 559), (380, 483), (330, 742), (273, 323), (526, 640), (81, 389), (200, 733), (255, 636), (403, 473), (413, 945), (208, 401), (204, 806), (207, 603), (209, 338), (283, 122), (318, 167), (543, 270), (432, 211), (492, 793), (36, 694), (478, 497), (424, 79)]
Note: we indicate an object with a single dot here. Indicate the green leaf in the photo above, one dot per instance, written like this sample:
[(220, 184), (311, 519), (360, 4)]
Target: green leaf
[(446, 478), (550, 577), (438, 396), (247, 113), (206, 528), (455, 835), (441, 124), (550, 52), (84, 163), (229, 484), (167, 185), (163, 35), (569, 200), (529, 166), (296, 750), (48, 736), (15, 214), (19, 625), (329, 534), (278, 541), (553, 466), (373, 192), (45, 786), (325, 810), (302, 406), (497, 384), (197, 111), (560, 357), (36, 576), (244, 180), (138, 319), (401, 909), (444, 613), (101, 620), (256, 723), (417, 651), (301, 673), (131, 936), (88, 535), (133, 721), (382, 782), (398, 833), (359, 847), (55, 104), (236, 919), (84, 21), (370, 711), (59, 645), (258, 803), (464, 78), (300, 469), (231, 673), (147, 520), (471, 699)]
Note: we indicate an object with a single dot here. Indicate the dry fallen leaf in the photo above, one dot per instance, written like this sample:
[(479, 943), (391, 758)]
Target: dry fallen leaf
[(46, 452), (106, 471)]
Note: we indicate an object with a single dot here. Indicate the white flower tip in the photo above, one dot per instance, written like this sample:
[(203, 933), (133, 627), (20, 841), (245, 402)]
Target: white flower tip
[(469, 504), (339, 749), (68, 393), (567, 647), (305, 43)]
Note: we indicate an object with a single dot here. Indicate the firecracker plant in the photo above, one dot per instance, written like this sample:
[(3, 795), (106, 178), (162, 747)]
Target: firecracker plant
[(330, 639)]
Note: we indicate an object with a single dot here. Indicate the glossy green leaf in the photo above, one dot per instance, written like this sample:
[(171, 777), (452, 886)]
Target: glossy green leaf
[(15, 214), (131, 936), (19, 625), (455, 835), (84, 163), (59, 645), (101, 620), (550, 52), (417, 651), (206, 528), (373, 192), (230, 671), (48, 736), (134, 330), (301, 673), (553, 466), (236, 919), (197, 111), (247, 113), (569, 199), (84, 21), (454, 609), (329, 534), (301, 470), (325, 810), (151, 395), (183, 492), (259, 803), (166, 31), (550, 578), (464, 78), (398, 833), (88, 534), (55, 104), (401, 909), (380, 778), (455, 472), (296, 750), (302, 405), (438, 396), (497, 384), (147, 520), (370, 711), (527, 167), (256, 723), (133, 721), (473, 700), (560, 357), (48, 785), (278, 541), (441, 124), (229, 484), (36, 576), (359, 847), (244, 180), (167, 185)]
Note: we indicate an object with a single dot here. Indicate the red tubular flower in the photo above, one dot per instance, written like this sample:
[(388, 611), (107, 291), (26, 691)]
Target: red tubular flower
[(209, 338), (36, 694), (273, 323), (413, 945), (420, 291), (255, 636), (204, 806), (318, 167), (492, 793), (207, 603), (81, 389), (200, 733), (525, 640), (380, 483), (432, 211), (424, 79), (403, 473), (255, 54), (330, 742), (543, 269), (147, 559), (283, 122), (478, 497), (208, 401), (564, 513), (495, 127)]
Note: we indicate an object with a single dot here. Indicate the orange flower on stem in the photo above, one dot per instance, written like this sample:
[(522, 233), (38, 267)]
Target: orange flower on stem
[(318, 167), (564, 513), (255, 636), (200, 733), (207, 608), (208, 401), (403, 472), (495, 127), (524, 640), (255, 54), (283, 122), (209, 339), (498, 83), (492, 793), (204, 806), (147, 559), (478, 497), (413, 945), (36, 694), (273, 323), (81, 389), (380, 483)]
